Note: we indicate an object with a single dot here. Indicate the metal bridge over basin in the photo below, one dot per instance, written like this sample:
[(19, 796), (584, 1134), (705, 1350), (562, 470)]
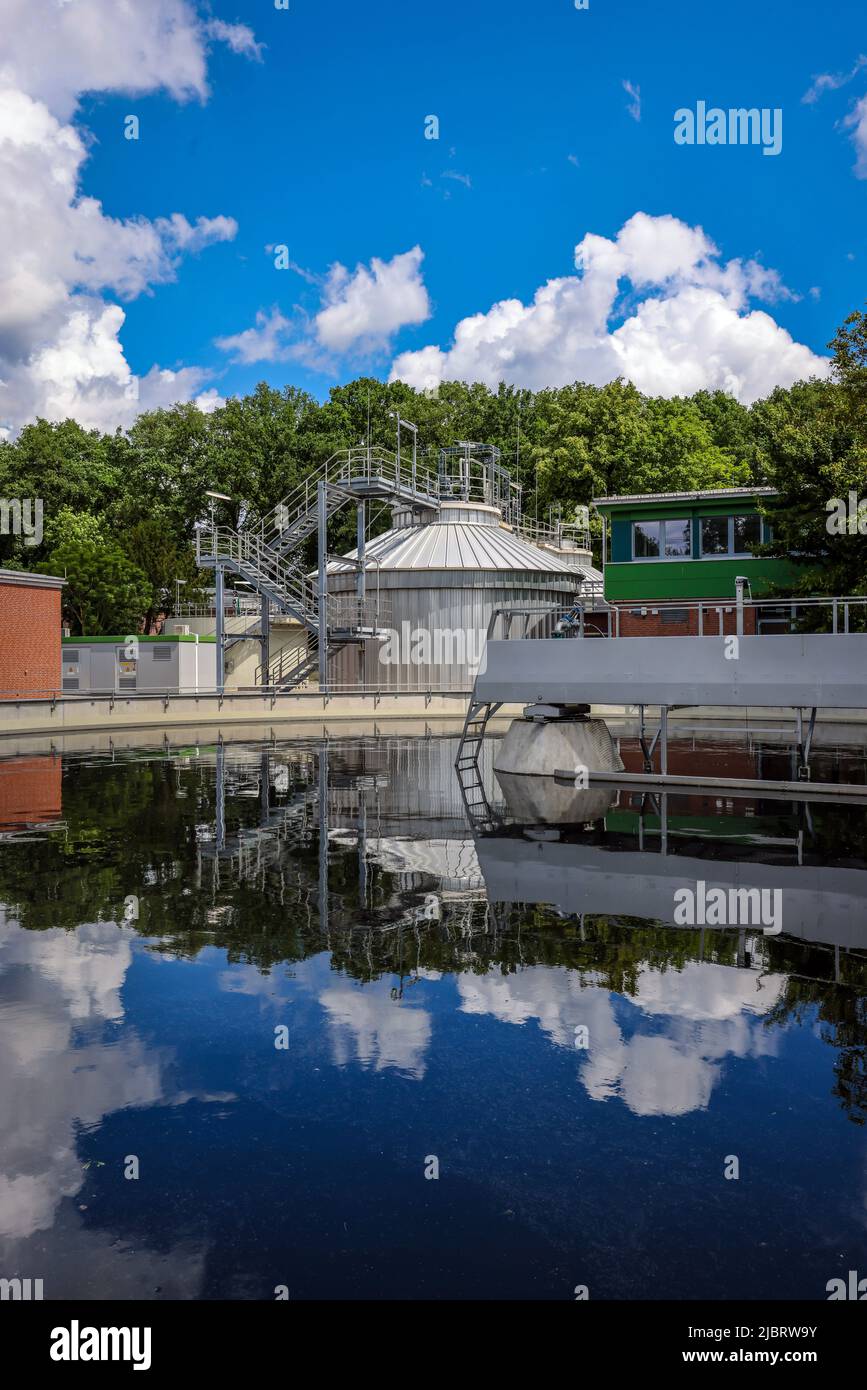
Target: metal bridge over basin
[(815, 670), (778, 656)]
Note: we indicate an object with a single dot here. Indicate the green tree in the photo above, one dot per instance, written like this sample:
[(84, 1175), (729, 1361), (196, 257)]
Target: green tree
[(71, 469), (812, 441), (162, 561), (105, 592)]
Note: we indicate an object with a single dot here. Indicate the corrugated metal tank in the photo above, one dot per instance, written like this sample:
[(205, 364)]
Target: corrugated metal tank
[(439, 577)]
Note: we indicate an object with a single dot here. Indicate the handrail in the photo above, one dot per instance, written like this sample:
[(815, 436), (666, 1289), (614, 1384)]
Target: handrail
[(257, 561), (281, 671), (834, 615), (164, 693), (363, 464), (347, 466)]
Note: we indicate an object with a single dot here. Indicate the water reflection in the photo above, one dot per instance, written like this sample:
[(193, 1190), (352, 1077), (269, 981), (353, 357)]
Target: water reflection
[(433, 969)]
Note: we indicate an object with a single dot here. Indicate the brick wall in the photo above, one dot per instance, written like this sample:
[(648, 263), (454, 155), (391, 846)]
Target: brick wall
[(632, 624), (29, 639)]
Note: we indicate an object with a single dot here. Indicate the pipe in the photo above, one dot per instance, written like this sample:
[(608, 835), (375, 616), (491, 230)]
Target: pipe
[(322, 497)]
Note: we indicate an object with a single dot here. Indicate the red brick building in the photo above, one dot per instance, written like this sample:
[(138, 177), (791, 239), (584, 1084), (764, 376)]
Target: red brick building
[(30, 626)]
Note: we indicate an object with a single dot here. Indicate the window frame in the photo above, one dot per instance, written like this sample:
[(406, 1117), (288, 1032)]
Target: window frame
[(730, 553), (661, 558)]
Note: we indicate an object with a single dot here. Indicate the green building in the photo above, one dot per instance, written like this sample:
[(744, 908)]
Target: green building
[(670, 547)]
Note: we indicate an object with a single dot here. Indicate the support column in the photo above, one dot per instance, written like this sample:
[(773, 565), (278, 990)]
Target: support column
[(360, 528), (360, 583), (219, 600), (739, 605), (265, 638), (321, 502)]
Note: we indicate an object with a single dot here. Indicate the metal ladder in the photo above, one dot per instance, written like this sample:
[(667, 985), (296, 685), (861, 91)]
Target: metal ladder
[(472, 788), (479, 714)]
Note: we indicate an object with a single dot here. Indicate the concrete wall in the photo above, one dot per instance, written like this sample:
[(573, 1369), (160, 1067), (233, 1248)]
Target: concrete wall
[(103, 713), (243, 658)]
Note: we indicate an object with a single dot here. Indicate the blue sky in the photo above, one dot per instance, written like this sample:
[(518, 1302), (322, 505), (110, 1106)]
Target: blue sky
[(316, 140)]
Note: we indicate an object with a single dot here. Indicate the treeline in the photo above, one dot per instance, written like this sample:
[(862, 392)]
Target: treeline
[(120, 509)]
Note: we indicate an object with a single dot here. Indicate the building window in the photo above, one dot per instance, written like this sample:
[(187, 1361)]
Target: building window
[(747, 532), (645, 540), (732, 535), (653, 539), (677, 541), (715, 535)]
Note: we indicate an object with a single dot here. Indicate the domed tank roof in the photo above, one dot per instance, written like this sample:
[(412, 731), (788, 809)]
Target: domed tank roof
[(462, 536)]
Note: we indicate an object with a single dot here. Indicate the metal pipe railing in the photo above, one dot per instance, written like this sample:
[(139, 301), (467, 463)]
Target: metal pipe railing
[(839, 615), (55, 694)]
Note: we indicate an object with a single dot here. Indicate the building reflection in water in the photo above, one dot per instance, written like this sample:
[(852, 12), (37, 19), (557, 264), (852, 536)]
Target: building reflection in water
[(346, 885)]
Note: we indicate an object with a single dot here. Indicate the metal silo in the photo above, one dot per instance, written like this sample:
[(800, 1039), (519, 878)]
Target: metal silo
[(439, 574)]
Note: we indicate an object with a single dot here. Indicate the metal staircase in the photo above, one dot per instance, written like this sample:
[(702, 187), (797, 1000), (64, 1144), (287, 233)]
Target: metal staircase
[(353, 475), (291, 668), (268, 558), (244, 553)]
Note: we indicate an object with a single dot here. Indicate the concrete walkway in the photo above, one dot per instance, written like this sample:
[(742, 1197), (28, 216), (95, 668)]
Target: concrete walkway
[(304, 709), (99, 713)]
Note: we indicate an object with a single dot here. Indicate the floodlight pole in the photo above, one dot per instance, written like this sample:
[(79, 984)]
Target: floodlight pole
[(219, 599)]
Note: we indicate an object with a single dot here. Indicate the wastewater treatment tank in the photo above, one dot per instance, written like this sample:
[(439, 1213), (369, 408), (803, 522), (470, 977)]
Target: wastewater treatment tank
[(440, 573)]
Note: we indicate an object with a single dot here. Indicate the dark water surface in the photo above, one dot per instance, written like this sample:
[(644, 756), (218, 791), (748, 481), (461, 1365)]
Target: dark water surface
[(164, 916)]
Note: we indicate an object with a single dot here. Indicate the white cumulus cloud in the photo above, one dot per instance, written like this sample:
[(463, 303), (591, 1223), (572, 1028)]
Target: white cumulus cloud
[(360, 312), (656, 305), (365, 307), (856, 121), (63, 261), (264, 342)]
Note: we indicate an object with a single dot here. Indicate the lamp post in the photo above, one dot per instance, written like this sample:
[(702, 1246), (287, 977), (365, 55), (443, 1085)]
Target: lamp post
[(216, 497), (219, 597)]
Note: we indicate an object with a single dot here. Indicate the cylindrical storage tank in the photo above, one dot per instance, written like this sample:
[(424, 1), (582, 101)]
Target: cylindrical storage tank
[(439, 580)]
